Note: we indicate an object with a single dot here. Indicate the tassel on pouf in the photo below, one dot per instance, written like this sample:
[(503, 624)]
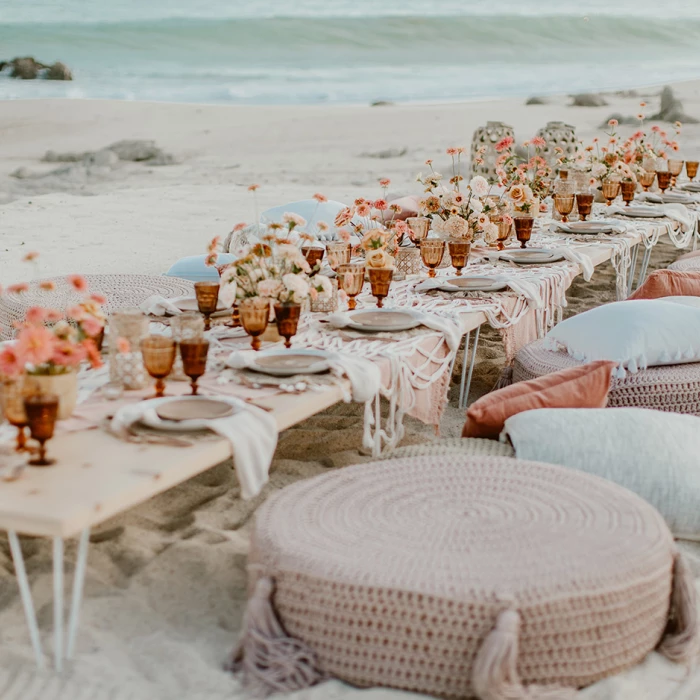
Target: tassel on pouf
[(506, 379), (680, 644), (269, 659), (495, 672)]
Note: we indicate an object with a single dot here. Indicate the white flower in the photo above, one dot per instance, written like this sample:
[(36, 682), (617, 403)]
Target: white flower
[(270, 288), (297, 287), (490, 233), (598, 170), (456, 227), (227, 292), (323, 286), (292, 218), (479, 186)]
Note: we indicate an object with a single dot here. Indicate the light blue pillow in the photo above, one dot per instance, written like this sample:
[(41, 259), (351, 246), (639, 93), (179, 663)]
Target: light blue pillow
[(195, 270)]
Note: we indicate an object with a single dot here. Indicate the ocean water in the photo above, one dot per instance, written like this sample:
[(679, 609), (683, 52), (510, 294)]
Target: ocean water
[(348, 51)]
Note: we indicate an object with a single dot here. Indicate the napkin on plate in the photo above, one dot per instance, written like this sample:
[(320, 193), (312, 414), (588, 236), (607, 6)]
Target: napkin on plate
[(569, 253), (522, 287), (451, 331), (157, 305), (364, 376), (251, 433), (677, 212)]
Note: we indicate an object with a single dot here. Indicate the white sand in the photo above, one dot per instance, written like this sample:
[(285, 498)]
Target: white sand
[(166, 581)]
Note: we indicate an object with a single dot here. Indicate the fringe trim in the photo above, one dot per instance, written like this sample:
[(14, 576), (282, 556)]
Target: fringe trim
[(495, 673), (506, 379), (680, 644), (269, 659)]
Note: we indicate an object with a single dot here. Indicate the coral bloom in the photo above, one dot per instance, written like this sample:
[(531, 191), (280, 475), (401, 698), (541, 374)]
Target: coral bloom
[(123, 345), (452, 151), (91, 326), (364, 209), (78, 282), (31, 256), (93, 354), (35, 316), (18, 288), (381, 204), (98, 299), (385, 182), (239, 227), (253, 187), (11, 361), (66, 354), (53, 315), (47, 285), (36, 344), (538, 142), (320, 198), (613, 122)]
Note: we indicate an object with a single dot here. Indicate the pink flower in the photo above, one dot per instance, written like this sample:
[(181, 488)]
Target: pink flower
[(385, 182), (642, 104), (504, 144), (538, 142), (91, 326), (613, 122), (344, 235), (320, 198), (344, 217), (364, 209), (31, 256), (93, 354), (35, 316), (77, 313), (123, 345), (53, 315), (381, 204), (253, 187), (78, 282), (656, 129), (11, 361), (98, 299), (18, 288), (429, 161), (36, 344), (47, 285), (66, 354), (211, 259), (452, 151), (238, 227), (322, 226), (359, 201)]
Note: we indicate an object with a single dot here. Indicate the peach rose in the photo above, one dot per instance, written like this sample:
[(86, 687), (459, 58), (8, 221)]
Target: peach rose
[(378, 258)]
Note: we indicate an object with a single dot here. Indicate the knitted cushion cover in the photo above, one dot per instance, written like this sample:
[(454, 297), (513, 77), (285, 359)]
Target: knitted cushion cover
[(472, 447), (459, 577), (688, 263), (668, 388)]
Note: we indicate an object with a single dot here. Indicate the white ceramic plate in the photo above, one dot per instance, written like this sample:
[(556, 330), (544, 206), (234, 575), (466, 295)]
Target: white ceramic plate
[(640, 212), (691, 186), (532, 256), (151, 419), (473, 283), (379, 320), (287, 363), (193, 408), (190, 304), (589, 227), (670, 198)]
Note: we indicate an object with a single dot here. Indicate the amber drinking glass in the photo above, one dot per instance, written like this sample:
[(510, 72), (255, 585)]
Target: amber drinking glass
[(646, 179), (313, 255), (255, 314), (523, 229), (459, 254), (505, 229), (287, 319), (663, 177), (564, 204), (338, 254), (380, 281), (691, 168), (351, 279), (207, 299), (418, 227), (584, 202), (432, 251), (675, 167), (194, 360), (611, 188), (158, 358), (12, 404), (628, 189), (41, 411)]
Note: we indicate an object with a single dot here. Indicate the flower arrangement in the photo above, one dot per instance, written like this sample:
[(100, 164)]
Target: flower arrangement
[(50, 342), (615, 159), (275, 268), (457, 213)]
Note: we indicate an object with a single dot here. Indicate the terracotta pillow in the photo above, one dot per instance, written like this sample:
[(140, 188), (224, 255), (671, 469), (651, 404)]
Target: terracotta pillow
[(669, 283), (409, 206), (585, 386)]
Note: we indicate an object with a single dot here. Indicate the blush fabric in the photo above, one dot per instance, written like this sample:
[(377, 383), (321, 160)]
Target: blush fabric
[(669, 283), (585, 386), (689, 261), (409, 207)]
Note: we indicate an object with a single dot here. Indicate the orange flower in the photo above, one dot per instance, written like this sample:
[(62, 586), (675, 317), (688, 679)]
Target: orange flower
[(93, 354), (18, 288), (53, 315), (98, 299), (239, 227), (47, 285), (253, 187), (385, 182), (123, 345), (11, 361), (35, 316), (320, 198), (67, 354), (31, 256), (78, 282), (36, 344), (381, 204)]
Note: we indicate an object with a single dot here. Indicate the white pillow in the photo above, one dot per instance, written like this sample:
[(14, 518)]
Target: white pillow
[(312, 211), (637, 334), (654, 454), (195, 268)]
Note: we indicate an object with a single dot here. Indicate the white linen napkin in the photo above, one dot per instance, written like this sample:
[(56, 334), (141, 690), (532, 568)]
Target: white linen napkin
[(364, 376), (157, 305), (677, 212), (251, 433), (575, 256), (451, 331), (525, 288)]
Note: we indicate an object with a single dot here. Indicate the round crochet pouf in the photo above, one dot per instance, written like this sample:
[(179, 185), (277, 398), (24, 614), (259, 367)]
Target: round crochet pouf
[(674, 388), (689, 263), (466, 577)]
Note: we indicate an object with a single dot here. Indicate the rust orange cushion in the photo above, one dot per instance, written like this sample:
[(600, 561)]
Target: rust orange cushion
[(669, 283), (585, 386)]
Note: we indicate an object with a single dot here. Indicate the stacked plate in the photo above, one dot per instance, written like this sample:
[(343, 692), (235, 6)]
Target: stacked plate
[(383, 320), (590, 227), (531, 256), (186, 412), (669, 198), (287, 363), (190, 304), (474, 283), (691, 186), (640, 212)]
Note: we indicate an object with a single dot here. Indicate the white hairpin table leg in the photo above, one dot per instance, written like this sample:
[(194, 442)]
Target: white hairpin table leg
[(377, 448), (464, 396), (465, 369), (78, 583), (643, 269), (26, 595), (633, 269), (58, 602)]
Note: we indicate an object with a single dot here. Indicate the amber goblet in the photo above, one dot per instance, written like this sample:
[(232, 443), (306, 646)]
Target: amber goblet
[(584, 202), (663, 177), (12, 404), (691, 169), (432, 251), (646, 179), (628, 189), (523, 229), (505, 229), (41, 411), (610, 188), (564, 204), (207, 299), (338, 254), (459, 254), (255, 314), (287, 318), (158, 358), (313, 255), (351, 279), (418, 227), (380, 281), (675, 167), (194, 360)]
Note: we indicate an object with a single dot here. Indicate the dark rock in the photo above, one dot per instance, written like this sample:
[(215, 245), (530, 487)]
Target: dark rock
[(25, 68), (536, 101), (53, 157), (588, 100), (58, 71), (386, 153), (627, 93), (381, 103), (671, 109), (138, 151)]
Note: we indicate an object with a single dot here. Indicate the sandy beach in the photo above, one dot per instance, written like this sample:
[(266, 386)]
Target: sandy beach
[(165, 585)]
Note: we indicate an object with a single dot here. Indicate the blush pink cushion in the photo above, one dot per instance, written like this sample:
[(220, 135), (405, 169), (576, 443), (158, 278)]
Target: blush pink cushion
[(669, 283), (409, 207), (585, 386)]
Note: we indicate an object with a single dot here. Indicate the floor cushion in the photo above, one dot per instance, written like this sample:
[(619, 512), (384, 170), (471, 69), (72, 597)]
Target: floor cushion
[(195, 269), (460, 577), (689, 261), (653, 454), (673, 388), (473, 447), (585, 386), (669, 283)]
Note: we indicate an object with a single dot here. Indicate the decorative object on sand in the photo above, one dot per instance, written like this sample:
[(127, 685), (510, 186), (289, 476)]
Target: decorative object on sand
[(560, 141), (483, 152)]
